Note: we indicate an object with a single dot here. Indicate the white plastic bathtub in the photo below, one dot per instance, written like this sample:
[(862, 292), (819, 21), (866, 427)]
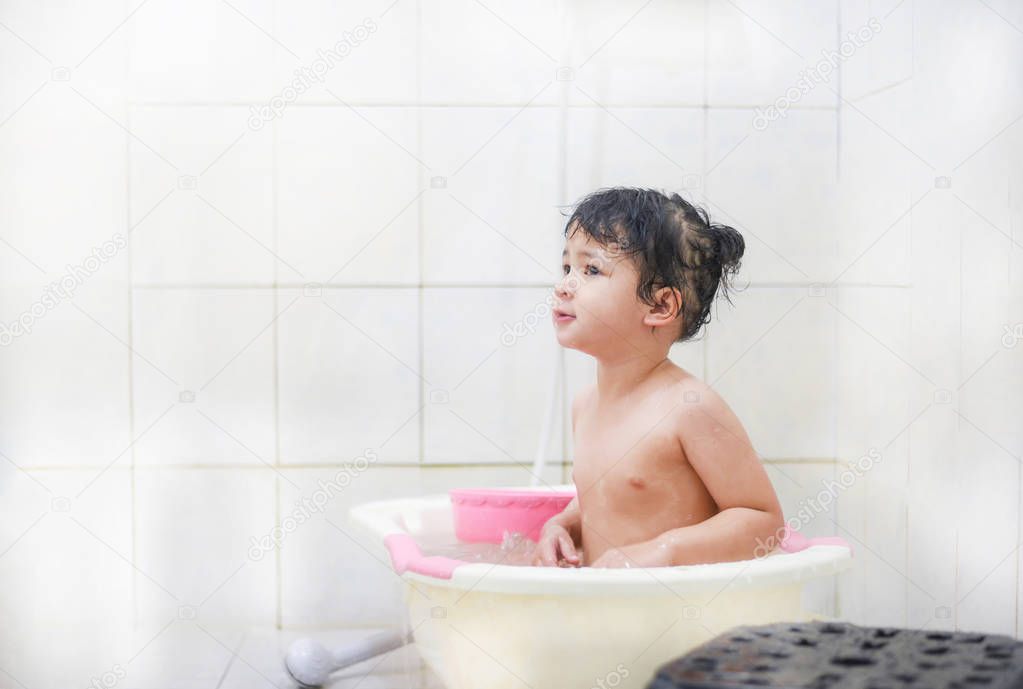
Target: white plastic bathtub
[(494, 626)]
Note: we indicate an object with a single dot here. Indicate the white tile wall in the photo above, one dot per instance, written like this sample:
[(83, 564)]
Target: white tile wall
[(511, 54), (63, 184), (805, 491), (756, 52), (74, 42), (755, 182), (332, 572), (68, 564), (422, 183), (974, 118), (202, 211), (745, 344), (625, 56), (378, 66), (494, 217), (879, 391), (936, 350), (881, 387), (879, 181), (65, 394), (202, 52), (617, 146), (486, 383), (885, 57), (22, 86), (204, 393), (991, 448), (347, 189), (194, 529), (349, 375)]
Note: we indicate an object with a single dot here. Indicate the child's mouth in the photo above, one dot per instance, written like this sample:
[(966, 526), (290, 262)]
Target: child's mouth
[(562, 316)]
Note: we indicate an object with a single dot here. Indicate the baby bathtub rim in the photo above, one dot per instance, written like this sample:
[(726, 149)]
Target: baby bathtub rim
[(380, 518)]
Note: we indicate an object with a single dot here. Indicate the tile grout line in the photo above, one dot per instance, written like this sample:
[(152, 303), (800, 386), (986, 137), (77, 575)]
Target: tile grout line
[(958, 445), (230, 661), (1019, 471), (706, 67), (560, 358), (278, 565), (906, 494), (835, 328), (705, 153), (131, 342), (753, 284), (275, 347), (838, 93), (298, 466), (506, 105), (908, 441), (909, 435), (420, 240), (340, 464)]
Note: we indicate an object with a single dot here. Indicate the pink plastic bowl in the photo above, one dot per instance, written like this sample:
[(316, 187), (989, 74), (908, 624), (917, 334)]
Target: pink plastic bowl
[(483, 515)]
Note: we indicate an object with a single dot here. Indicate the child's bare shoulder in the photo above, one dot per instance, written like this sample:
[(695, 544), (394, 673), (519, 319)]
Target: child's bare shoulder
[(698, 405)]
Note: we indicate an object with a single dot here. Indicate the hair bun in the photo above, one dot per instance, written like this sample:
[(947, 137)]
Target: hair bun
[(730, 245)]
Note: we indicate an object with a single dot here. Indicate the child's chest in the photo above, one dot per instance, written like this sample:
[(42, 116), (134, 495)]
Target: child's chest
[(627, 455)]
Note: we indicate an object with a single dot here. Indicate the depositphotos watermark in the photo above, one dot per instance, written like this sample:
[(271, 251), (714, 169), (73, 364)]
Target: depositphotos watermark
[(812, 506), (309, 505), (60, 290), (1011, 334), (108, 679), (613, 678), (315, 73), (822, 71), (527, 324)]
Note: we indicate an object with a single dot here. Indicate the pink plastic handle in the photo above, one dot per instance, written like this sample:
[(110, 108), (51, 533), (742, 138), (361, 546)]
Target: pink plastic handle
[(407, 557), (793, 541)]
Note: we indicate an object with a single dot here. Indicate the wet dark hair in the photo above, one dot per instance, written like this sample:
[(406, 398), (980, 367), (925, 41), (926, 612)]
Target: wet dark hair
[(671, 242)]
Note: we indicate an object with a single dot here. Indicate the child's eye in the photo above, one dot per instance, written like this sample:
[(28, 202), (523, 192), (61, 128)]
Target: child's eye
[(589, 270)]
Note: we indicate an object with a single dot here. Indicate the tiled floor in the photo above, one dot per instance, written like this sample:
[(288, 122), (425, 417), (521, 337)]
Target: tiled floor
[(187, 654), (258, 664)]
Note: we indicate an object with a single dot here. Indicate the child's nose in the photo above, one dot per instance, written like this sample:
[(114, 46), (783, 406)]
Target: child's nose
[(566, 286)]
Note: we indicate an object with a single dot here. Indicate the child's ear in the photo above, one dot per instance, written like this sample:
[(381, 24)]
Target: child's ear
[(666, 308)]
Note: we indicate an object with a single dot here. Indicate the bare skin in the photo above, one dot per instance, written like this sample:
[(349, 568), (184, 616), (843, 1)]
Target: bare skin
[(664, 471)]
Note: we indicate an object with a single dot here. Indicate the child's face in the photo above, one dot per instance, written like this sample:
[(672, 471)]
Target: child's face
[(598, 290)]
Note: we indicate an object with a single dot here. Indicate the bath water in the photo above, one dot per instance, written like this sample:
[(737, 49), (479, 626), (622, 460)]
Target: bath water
[(514, 549)]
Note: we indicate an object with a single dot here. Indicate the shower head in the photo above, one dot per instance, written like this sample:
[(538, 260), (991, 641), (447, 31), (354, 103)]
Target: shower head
[(310, 663)]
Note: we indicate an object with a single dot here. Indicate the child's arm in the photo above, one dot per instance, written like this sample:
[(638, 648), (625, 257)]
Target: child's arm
[(562, 532), (571, 519), (719, 449), (750, 519), (559, 537)]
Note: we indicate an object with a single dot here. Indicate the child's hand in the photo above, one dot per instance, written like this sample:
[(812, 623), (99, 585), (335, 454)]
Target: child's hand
[(555, 547), (646, 554)]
